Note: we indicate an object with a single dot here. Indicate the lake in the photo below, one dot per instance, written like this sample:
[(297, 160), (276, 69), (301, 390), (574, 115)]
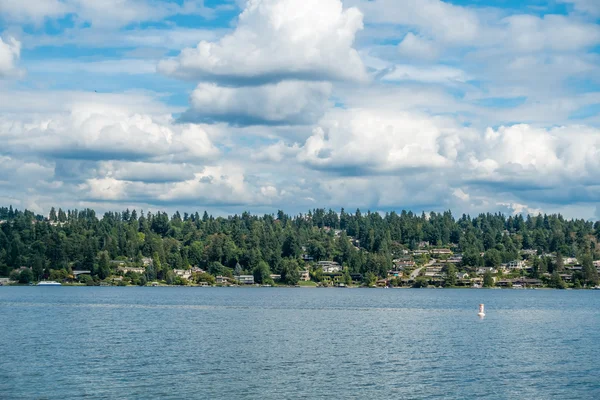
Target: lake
[(296, 343)]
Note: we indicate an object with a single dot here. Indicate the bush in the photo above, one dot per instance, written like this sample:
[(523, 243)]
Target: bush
[(87, 280), (26, 276)]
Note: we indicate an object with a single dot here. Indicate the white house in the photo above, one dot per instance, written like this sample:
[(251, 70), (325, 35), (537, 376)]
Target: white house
[(245, 279), (329, 267)]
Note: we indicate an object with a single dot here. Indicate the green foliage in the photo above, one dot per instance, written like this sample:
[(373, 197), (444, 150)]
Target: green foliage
[(590, 274), (58, 275), (103, 269), (488, 279), (261, 273), (26, 276), (87, 280), (367, 243), (556, 281), (450, 276), (370, 279), (421, 282), (204, 277), (290, 274), (492, 258)]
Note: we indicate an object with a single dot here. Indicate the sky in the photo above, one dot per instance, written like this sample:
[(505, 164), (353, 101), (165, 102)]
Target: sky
[(260, 105)]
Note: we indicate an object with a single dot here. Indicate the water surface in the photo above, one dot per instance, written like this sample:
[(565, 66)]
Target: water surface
[(269, 343)]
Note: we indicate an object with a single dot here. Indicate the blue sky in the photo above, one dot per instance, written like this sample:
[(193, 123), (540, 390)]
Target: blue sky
[(260, 105)]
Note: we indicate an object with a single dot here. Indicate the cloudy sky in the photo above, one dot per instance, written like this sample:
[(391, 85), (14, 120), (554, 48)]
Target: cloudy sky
[(260, 105)]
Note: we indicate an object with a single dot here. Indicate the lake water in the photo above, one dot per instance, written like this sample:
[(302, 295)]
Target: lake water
[(268, 343)]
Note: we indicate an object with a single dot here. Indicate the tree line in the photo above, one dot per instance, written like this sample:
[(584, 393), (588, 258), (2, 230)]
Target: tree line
[(364, 243)]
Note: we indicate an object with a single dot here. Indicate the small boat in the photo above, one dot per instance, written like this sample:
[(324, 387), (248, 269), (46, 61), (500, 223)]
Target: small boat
[(596, 287), (49, 283)]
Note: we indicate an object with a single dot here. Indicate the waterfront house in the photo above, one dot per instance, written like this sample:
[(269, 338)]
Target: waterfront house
[(183, 273), (329, 266), (434, 271), (517, 264), (275, 277), (125, 270), (567, 277), (222, 280), (305, 276), (245, 279), (78, 272)]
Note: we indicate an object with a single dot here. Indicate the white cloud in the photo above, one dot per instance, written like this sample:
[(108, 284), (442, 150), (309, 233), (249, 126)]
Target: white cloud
[(434, 74), (288, 102), (445, 21), (591, 7), (10, 52), (379, 141), (418, 47), (529, 33), (277, 40), (99, 13), (32, 11), (110, 67), (104, 132)]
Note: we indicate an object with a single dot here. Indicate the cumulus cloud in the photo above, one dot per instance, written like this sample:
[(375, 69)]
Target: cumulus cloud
[(277, 40), (379, 140), (288, 102), (103, 132), (536, 156), (217, 185), (10, 52), (443, 20)]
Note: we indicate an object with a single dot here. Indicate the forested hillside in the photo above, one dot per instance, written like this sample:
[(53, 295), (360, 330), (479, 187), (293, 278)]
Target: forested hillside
[(362, 242)]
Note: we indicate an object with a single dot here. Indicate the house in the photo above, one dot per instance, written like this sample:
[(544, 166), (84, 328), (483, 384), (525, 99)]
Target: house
[(420, 252), (146, 261), (596, 263), (275, 277), (423, 244), (77, 272), (4, 281), (125, 270), (455, 259), (569, 260), (183, 273), (529, 252), (567, 277), (440, 252), (305, 276), (462, 275), (401, 264), (307, 258), (329, 266), (245, 279), (517, 264), (483, 270), (434, 270), (527, 282), (222, 280)]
